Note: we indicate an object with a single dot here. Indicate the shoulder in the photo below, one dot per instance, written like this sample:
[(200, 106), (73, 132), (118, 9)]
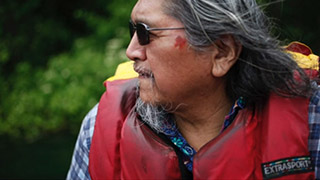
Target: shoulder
[(86, 130), (314, 108), (87, 126), (314, 115), (315, 99), (80, 159), (314, 129)]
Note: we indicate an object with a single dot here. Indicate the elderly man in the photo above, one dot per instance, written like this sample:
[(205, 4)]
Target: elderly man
[(214, 97)]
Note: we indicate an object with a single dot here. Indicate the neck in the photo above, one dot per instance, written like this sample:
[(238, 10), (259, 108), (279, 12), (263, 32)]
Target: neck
[(202, 119)]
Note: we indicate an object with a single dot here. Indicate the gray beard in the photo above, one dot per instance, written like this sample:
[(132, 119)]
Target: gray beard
[(155, 116)]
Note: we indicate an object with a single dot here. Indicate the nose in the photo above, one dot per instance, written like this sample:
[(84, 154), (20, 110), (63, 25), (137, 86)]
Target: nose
[(135, 51)]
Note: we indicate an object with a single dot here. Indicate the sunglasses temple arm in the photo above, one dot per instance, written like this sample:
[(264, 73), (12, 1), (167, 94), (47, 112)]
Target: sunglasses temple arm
[(162, 29)]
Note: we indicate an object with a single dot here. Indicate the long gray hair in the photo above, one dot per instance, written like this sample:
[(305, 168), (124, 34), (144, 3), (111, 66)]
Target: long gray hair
[(262, 67)]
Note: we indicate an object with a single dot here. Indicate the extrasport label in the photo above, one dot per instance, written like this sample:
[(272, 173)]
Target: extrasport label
[(282, 167)]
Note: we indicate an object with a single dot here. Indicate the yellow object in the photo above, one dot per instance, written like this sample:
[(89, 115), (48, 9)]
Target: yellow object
[(303, 55), (306, 62), (124, 71)]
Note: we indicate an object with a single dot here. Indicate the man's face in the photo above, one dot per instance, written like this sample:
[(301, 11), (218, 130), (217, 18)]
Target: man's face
[(179, 74)]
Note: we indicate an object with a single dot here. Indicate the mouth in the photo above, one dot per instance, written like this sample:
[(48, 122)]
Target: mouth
[(143, 73)]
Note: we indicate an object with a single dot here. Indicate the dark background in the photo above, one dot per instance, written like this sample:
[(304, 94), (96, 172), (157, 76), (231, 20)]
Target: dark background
[(54, 56)]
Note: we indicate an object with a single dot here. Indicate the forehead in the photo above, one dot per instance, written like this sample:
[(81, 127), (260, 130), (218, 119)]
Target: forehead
[(149, 12)]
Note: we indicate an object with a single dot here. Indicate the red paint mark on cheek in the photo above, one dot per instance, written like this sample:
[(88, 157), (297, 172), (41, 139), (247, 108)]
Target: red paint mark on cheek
[(180, 42)]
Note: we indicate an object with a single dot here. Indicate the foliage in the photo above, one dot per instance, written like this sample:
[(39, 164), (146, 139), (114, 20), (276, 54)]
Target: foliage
[(46, 93), (33, 31)]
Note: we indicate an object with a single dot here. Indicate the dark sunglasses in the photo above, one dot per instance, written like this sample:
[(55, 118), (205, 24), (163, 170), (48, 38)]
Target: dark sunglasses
[(143, 31)]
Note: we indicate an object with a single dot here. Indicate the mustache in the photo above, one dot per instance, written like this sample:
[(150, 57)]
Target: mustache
[(142, 70)]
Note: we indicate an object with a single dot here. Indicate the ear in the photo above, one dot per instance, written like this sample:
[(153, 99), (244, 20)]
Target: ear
[(225, 54)]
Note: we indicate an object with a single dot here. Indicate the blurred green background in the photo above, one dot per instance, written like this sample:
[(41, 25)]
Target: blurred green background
[(54, 57)]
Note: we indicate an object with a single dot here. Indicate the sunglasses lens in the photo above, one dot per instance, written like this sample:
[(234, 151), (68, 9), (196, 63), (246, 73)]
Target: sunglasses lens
[(143, 34), (131, 28)]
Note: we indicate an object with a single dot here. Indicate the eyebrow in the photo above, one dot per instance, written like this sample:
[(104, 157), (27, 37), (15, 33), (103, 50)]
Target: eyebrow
[(143, 20)]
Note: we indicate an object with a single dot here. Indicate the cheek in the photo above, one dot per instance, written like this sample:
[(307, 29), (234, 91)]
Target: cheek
[(168, 63), (166, 78)]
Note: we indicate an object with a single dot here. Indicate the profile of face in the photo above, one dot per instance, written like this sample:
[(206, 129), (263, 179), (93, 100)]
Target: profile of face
[(170, 71)]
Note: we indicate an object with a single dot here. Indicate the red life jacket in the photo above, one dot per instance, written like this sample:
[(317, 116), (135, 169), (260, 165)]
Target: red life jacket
[(266, 143)]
